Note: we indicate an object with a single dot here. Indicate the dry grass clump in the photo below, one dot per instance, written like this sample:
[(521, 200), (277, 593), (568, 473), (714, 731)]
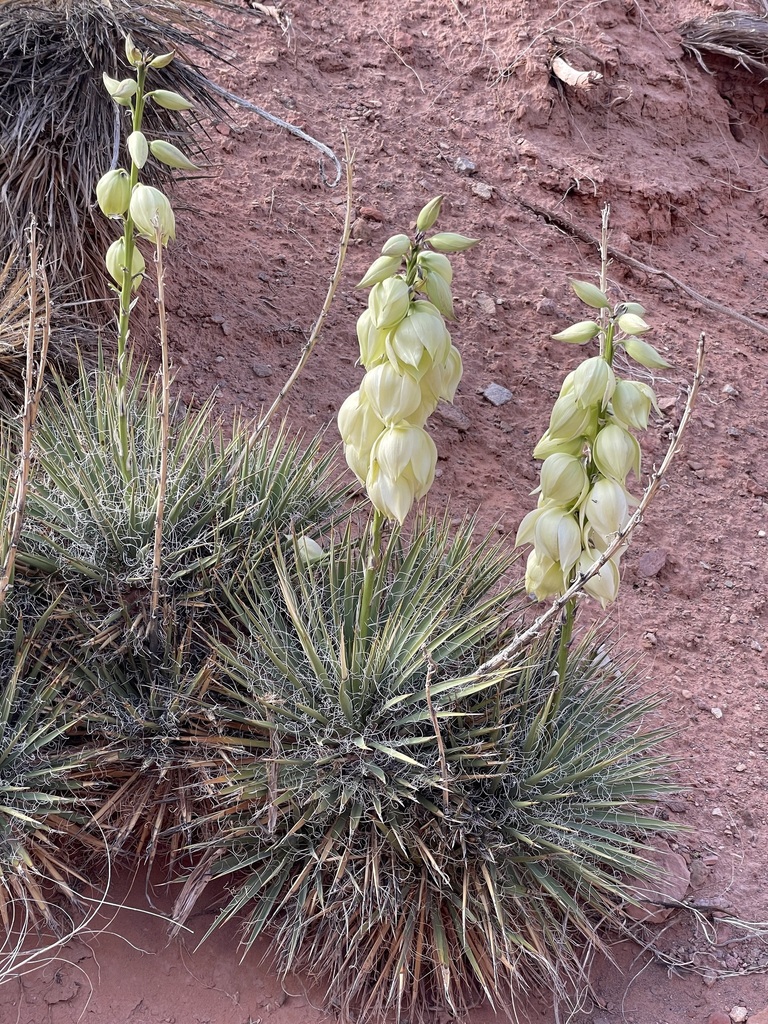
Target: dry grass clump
[(59, 129), (737, 34)]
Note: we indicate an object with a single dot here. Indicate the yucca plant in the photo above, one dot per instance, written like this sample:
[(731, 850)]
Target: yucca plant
[(419, 835), (44, 763), (59, 130), (90, 519)]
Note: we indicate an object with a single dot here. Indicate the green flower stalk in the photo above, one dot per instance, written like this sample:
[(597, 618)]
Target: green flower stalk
[(411, 364), (142, 209), (589, 451)]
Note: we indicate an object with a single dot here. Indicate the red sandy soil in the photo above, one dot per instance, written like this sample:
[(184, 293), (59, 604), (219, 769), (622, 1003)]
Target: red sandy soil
[(678, 154)]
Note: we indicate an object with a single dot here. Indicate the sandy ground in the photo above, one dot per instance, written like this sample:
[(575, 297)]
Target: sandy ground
[(454, 97)]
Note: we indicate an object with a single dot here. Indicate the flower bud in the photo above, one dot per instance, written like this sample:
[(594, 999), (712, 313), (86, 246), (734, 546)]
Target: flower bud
[(389, 302), (605, 507), (371, 340), (405, 450), (564, 480), (171, 156), (549, 445), (629, 307), (308, 551), (604, 585), (449, 241), (436, 263), (558, 536), (138, 148), (429, 214), (616, 452), (359, 425), (115, 260), (453, 368), (543, 577), (397, 245), (393, 498), (569, 420), (393, 396), (631, 403), (631, 323), (644, 354), (113, 192), (578, 334), (593, 382), (418, 341), (439, 292), (169, 100), (132, 52), (151, 210), (590, 294), (120, 91), (162, 60), (380, 270), (359, 462)]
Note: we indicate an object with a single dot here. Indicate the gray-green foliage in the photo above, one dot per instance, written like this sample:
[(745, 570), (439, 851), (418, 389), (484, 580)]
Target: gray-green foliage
[(413, 857)]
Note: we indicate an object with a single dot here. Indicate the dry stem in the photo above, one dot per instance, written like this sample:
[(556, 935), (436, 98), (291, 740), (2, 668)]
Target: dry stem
[(306, 352), (165, 422), (33, 386), (529, 635), (584, 236)]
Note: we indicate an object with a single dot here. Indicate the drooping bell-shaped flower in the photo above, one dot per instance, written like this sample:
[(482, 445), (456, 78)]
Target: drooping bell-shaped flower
[(393, 396), (564, 480)]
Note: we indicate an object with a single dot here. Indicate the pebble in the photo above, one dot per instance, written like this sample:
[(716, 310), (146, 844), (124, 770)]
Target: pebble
[(730, 390), (482, 190), (666, 405), (717, 712), (497, 395), (454, 417), (717, 812), (651, 562), (738, 1014), (262, 369), (464, 165), (486, 304), (371, 213), (740, 767)]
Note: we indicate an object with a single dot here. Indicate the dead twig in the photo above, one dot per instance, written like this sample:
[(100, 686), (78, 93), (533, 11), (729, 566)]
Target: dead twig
[(630, 261), (523, 639), (33, 386)]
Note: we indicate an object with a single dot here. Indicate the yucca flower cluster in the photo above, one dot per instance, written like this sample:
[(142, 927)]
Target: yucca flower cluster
[(143, 209), (410, 365), (588, 451)]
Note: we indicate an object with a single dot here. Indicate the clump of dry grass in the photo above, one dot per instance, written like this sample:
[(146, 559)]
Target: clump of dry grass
[(736, 34), (60, 130)]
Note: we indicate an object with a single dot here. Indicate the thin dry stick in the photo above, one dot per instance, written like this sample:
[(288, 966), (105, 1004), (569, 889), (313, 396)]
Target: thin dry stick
[(529, 635), (165, 426), (572, 229), (306, 352), (32, 392)]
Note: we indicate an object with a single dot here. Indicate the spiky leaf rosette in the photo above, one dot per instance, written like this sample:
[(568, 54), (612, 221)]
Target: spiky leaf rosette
[(147, 714), (417, 835), (90, 518), (43, 765), (58, 126)]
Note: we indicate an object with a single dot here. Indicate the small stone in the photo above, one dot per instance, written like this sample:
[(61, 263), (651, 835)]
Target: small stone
[(464, 165), (223, 129), (718, 1017), (651, 562), (497, 395), (666, 405), (709, 978), (262, 369), (219, 359), (677, 806), (730, 390), (761, 533), (686, 694), (717, 812), (486, 304), (482, 190), (452, 416), (717, 712), (738, 1014), (371, 213), (733, 432), (670, 886), (741, 767)]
